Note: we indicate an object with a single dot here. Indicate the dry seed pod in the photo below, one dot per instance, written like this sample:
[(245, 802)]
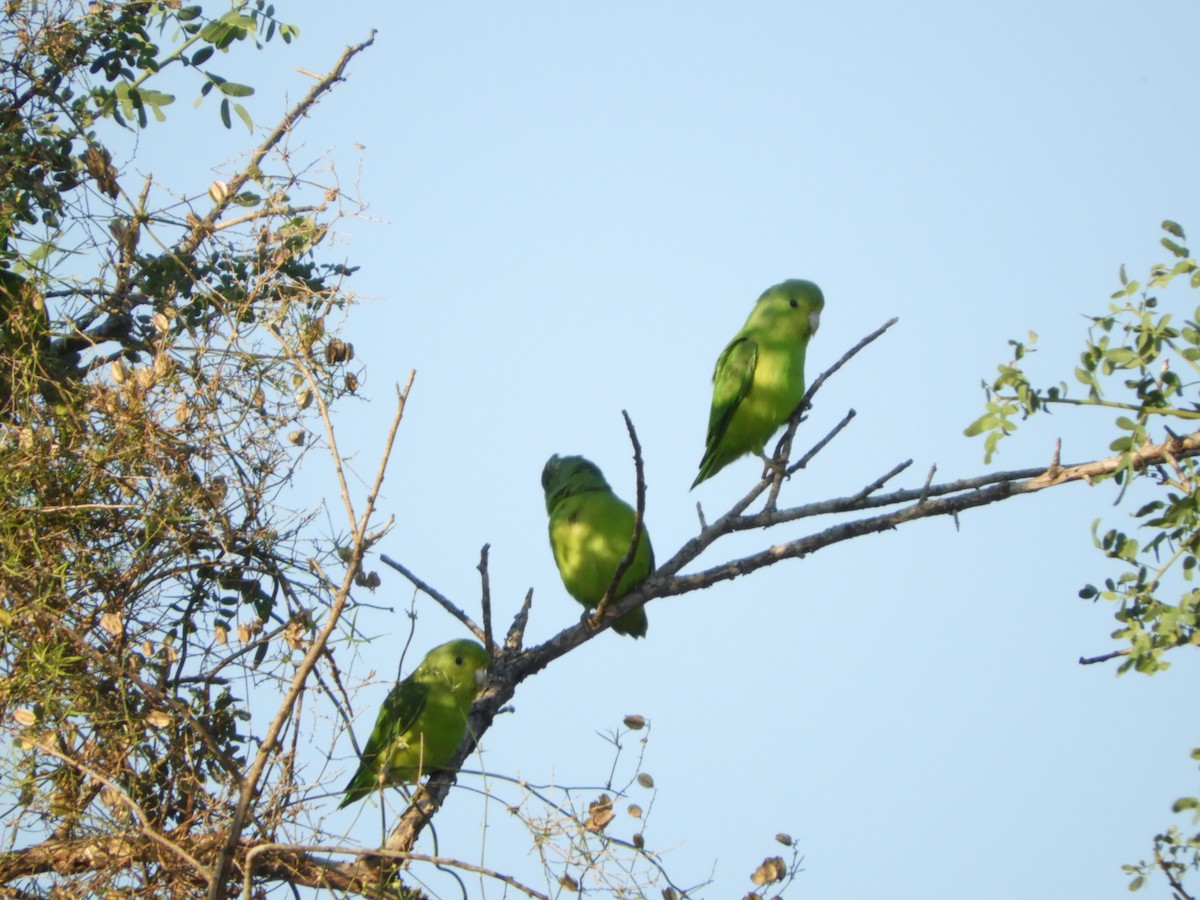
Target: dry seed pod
[(338, 351)]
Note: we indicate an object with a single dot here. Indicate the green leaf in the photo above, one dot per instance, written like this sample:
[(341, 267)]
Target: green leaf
[(225, 113), (222, 32), (979, 426), (233, 89), (244, 116), (1174, 228), (1179, 251)]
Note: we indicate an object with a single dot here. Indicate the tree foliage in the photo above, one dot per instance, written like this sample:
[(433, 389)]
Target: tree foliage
[(161, 366), (1141, 366)]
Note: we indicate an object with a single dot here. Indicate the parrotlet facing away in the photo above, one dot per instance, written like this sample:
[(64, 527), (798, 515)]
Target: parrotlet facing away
[(422, 721), (591, 529), (759, 377)]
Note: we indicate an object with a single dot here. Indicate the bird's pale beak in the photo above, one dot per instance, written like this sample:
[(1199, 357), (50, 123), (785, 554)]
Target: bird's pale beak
[(814, 322), (480, 677)]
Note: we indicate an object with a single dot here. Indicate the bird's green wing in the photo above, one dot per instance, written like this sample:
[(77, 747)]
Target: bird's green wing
[(732, 378), (398, 714)]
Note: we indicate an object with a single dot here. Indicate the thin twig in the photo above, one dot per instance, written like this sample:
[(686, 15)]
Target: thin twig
[(1104, 657), (486, 599), (783, 449), (928, 482), (638, 527), (441, 599), (516, 631), (820, 445)]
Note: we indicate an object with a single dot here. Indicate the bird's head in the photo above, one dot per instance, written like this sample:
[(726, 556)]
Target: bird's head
[(565, 476), (791, 308)]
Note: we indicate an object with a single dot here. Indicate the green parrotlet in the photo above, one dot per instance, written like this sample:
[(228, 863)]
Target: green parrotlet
[(591, 529), (422, 721), (759, 377)]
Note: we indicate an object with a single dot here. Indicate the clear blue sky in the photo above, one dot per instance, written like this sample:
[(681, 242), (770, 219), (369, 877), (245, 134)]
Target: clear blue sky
[(575, 206)]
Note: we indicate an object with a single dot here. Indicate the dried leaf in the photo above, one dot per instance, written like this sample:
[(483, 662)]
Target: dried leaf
[(25, 716), (600, 813), (98, 163), (158, 719), (635, 723), (772, 869), (294, 635), (645, 780)]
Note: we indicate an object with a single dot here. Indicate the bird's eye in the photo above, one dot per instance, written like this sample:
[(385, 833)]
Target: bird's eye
[(793, 303), (458, 660)]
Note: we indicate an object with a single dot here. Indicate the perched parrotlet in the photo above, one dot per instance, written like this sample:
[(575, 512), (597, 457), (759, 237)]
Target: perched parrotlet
[(591, 529), (422, 721), (759, 378)]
